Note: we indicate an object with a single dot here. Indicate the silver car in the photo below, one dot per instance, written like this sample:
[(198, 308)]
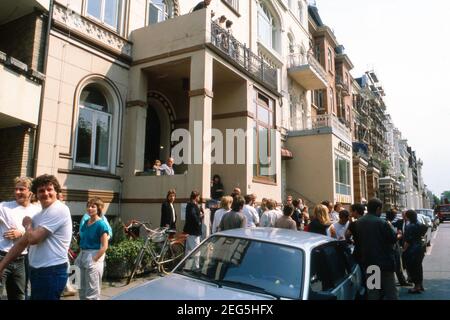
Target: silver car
[(259, 263)]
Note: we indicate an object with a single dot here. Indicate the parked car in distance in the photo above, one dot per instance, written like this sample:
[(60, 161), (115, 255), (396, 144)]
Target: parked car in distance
[(426, 221), (430, 214), (259, 263), (443, 212)]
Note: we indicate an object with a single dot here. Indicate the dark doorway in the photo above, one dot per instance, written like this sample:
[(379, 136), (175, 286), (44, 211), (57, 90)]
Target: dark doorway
[(152, 139)]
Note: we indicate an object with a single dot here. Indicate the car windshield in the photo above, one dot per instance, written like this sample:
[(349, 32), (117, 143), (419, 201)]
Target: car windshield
[(428, 213), (250, 265)]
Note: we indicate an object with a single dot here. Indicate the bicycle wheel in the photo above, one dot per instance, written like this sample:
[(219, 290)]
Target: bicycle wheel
[(137, 264), (172, 257)]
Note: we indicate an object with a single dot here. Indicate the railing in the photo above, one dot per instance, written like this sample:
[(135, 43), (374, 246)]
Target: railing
[(243, 56), (329, 121), (340, 82), (299, 59)]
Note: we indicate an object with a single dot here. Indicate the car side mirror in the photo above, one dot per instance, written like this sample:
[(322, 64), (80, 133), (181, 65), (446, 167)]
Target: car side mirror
[(322, 295)]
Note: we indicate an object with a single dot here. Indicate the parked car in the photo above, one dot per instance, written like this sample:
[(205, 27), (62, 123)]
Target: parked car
[(259, 263), (430, 214), (443, 212), (426, 221)]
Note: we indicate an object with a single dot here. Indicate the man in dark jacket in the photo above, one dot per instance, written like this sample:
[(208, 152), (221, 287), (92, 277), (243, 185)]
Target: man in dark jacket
[(168, 213), (193, 225), (376, 238)]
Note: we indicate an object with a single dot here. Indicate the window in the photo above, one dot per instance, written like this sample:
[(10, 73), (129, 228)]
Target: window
[(364, 184), (267, 30), (317, 52), (300, 11), (342, 172), (318, 99), (264, 139), (332, 100), (330, 60), (93, 130), (108, 12), (159, 10), (233, 3), (328, 268)]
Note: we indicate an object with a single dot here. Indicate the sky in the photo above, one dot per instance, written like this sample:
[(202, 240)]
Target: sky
[(406, 42)]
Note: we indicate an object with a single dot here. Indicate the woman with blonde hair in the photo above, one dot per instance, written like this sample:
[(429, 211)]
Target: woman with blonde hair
[(225, 206), (320, 222)]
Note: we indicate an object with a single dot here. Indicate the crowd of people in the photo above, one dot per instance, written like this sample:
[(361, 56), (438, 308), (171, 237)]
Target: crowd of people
[(392, 245)]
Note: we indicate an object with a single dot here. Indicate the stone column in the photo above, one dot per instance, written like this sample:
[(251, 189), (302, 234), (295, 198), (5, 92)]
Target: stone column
[(200, 121), (136, 116)]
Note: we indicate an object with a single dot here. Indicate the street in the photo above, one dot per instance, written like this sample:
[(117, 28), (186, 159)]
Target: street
[(436, 269)]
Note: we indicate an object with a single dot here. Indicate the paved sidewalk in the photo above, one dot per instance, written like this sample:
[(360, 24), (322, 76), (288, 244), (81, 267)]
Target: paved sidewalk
[(111, 288)]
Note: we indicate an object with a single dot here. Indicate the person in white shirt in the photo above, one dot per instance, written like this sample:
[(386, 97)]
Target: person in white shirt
[(167, 168), (48, 234), (250, 212), (271, 215), (12, 214), (225, 207), (342, 225)]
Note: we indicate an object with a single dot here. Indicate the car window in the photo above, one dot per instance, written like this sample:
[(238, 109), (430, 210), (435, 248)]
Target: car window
[(328, 268), (244, 263)]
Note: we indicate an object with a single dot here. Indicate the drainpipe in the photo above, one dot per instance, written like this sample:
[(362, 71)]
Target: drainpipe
[(41, 103)]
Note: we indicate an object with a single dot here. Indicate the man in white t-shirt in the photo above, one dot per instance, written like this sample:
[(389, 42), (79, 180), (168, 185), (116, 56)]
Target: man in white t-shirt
[(250, 212), (48, 234), (342, 224), (12, 214)]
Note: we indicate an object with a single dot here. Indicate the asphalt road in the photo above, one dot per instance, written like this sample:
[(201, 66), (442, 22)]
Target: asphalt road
[(436, 268)]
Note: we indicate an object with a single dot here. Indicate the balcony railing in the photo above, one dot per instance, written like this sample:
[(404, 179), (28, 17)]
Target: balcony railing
[(307, 71), (340, 83), (243, 56), (329, 121)]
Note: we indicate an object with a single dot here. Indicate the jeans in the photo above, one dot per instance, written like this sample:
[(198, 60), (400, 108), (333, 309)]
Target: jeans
[(14, 279), (48, 283)]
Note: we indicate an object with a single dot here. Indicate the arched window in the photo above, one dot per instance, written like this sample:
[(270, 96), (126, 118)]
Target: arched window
[(301, 11), (332, 100), (267, 27), (160, 10), (95, 128)]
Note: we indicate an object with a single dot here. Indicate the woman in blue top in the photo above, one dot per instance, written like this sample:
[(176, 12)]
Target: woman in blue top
[(93, 243)]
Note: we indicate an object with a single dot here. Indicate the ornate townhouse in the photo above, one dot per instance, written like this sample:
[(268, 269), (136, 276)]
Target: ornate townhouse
[(322, 145)]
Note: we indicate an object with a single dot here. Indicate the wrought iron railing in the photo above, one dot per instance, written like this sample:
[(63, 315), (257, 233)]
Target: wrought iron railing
[(329, 121), (340, 82), (300, 59), (243, 56)]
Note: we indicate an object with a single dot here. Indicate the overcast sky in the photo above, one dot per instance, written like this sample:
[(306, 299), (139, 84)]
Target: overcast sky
[(406, 42)]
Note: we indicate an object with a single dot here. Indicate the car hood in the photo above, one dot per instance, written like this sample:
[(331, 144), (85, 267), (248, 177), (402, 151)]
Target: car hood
[(179, 287)]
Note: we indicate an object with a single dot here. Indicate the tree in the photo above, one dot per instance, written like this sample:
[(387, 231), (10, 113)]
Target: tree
[(445, 195), (436, 200)]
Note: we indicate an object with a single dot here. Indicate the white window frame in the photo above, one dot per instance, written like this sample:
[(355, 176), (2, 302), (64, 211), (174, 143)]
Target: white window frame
[(268, 18), (168, 11), (95, 113), (101, 19), (233, 3)]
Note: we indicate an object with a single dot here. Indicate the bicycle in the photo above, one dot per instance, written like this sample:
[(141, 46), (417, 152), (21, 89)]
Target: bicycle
[(165, 258)]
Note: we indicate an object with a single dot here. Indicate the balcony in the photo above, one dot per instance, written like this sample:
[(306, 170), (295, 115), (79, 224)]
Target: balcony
[(237, 53), (192, 32), (307, 71), (20, 102), (325, 124), (341, 84)]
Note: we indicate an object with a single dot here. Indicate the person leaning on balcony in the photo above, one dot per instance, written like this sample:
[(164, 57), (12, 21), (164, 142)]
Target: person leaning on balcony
[(167, 168), (202, 5), (221, 21)]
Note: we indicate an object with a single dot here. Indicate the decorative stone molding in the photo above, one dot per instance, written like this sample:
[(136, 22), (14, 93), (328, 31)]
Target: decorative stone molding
[(79, 24)]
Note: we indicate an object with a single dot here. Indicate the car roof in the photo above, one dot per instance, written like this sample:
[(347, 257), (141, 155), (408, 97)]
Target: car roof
[(299, 239)]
